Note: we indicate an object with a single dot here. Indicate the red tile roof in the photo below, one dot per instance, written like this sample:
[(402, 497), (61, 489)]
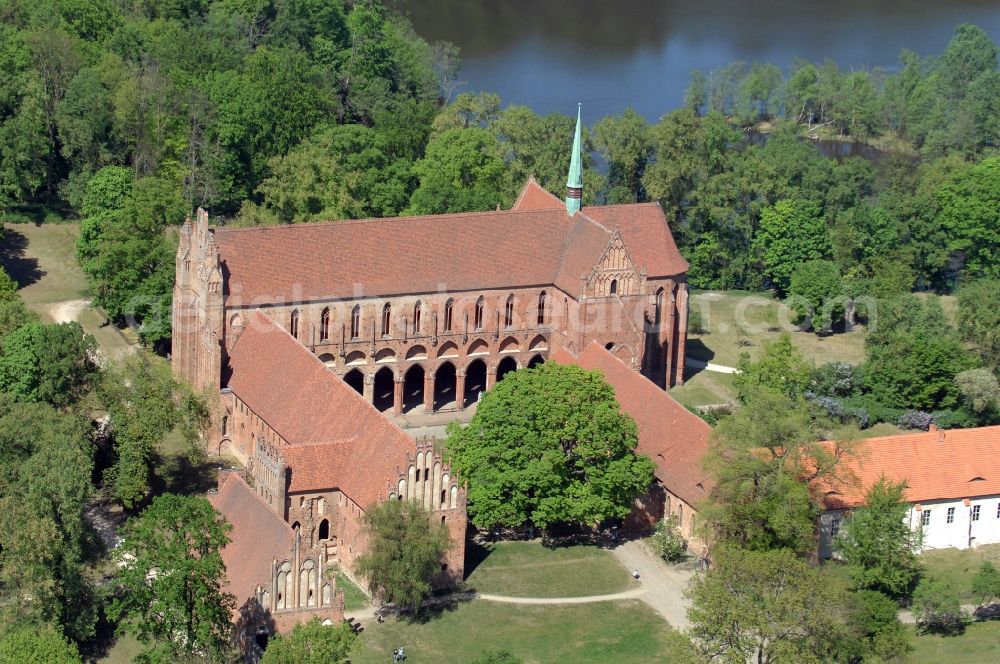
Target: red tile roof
[(345, 442), (259, 536), (534, 196), (403, 255), (672, 436), (957, 463)]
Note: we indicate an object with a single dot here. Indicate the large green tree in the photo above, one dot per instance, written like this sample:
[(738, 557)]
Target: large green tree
[(45, 484), (49, 363), (144, 404), (969, 210), (979, 318), (345, 172), (816, 291), (767, 607), (39, 646), (405, 549), (462, 171), (312, 643), (170, 579), (878, 544), (549, 445), (791, 232), (764, 458), (913, 355)]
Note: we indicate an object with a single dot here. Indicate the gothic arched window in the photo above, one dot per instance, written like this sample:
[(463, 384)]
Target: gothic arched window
[(416, 317), (386, 319), (541, 308), (355, 321), (324, 324), (293, 323), (480, 305), (508, 312), (449, 307)]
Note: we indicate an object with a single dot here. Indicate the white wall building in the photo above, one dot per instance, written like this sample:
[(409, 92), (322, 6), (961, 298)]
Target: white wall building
[(953, 485)]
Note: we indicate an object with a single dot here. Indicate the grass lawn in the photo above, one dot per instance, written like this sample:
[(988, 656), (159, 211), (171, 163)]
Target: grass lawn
[(959, 566), (354, 597), (980, 644), (764, 319), (124, 651), (527, 569), (705, 388), (620, 632), (42, 259)]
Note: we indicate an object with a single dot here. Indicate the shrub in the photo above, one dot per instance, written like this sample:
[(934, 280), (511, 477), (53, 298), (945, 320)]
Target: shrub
[(668, 542), (986, 584), (695, 323), (955, 419), (915, 419), (834, 379), (877, 411), (937, 608), (875, 619)]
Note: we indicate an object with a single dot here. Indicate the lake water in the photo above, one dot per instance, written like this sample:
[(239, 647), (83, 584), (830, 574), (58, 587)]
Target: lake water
[(550, 54)]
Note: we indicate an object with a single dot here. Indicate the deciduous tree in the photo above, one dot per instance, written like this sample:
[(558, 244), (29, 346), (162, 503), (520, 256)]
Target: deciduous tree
[(312, 643), (766, 607), (979, 318), (171, 576), (42, 645), (791, 232), (878, 544), (405, 550), (549, 445), (48, 363)]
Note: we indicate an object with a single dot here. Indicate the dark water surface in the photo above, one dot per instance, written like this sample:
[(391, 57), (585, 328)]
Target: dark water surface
[(549, 54)]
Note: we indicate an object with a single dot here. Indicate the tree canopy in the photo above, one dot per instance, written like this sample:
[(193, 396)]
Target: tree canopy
[(765, 606), (549, 445), (171, 576), (312, 643), (878, 544), (405, 551)]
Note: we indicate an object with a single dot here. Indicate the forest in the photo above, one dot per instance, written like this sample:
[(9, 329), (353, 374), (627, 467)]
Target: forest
[(130, 114)]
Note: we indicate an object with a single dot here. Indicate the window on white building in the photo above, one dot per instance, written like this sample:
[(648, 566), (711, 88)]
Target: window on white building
[(834, 527), (925, 518), (975, 512), (951, 515)]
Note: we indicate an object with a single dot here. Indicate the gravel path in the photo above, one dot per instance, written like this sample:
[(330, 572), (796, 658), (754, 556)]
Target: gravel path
[(587, 599), (664, 584)]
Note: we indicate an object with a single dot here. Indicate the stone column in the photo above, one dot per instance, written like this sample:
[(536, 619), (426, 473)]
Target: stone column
[(369, 388), (681, 338), (397, 396), (428, 392), (491, 377), (460, 390)]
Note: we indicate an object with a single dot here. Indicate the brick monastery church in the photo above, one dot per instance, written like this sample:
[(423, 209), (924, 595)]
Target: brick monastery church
[(315, 335)]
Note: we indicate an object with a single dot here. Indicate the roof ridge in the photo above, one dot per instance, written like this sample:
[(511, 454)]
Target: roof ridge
[(616, 205), (372, 220)]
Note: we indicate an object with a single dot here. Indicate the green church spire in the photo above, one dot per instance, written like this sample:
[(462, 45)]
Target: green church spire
[(574, 183)]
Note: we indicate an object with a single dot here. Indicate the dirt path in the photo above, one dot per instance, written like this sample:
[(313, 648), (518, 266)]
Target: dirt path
[(112, 342), (69, 311), (663, 584)]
